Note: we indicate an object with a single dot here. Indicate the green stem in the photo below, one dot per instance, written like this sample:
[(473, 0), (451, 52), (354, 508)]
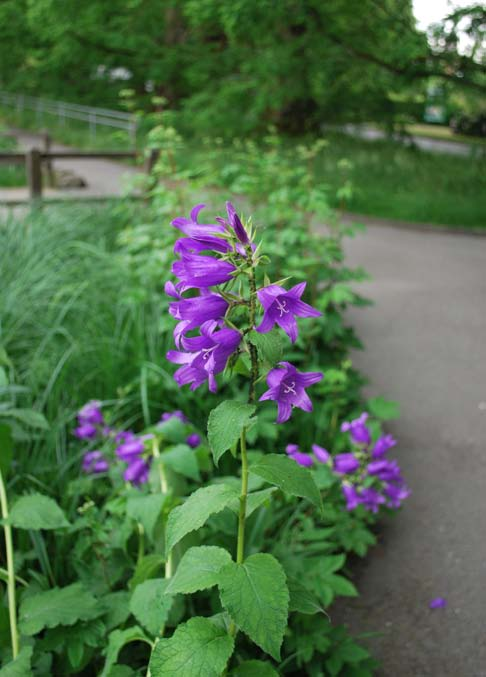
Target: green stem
[(240, 548), (164, 487), (12, 608)]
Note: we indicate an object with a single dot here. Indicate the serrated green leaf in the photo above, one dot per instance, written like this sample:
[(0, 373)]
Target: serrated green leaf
[(117, 640), (198, 569), (37, 511), (192, 514), (256, 597), (59, 606), (6, 448), (225, 425), (289, 476), (301, 599), (147, 567), (197, 648), (254, 669), (21, 666), (151, 605), (383, 409), (182, 459), (269, 346), (146, 510), (115, 608), (29, 417)]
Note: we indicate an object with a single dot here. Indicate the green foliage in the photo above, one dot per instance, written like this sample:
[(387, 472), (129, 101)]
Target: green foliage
[(383, 409), (59, 606), (181, 459), (21, 666), (289, 476), (6, 448), (150, 604), (255, 595), (37, 512), (198, 648), (117, 640), (146, 510), (254, 669), (192, 514), (225, 425), (198, 569)]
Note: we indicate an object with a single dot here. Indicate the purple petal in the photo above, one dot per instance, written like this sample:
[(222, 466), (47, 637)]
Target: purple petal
[(284, 411), (302, 459), (322, 455), (267, 323), (438, 603)]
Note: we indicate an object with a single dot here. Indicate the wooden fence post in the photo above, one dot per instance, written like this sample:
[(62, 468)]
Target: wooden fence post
[(51, 179), (34, 173)]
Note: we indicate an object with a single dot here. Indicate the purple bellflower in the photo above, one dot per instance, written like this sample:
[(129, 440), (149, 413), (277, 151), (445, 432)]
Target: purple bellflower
[(206, 356), (357, 429), (137, 471), (93, 462), (293, 451), (287, 387), (382, 445), (438, 603), (130, 449), (235, 223), (85, 431), (167, 415), (282, 307), (199, 237), (351, 495), (194, 312), (193, 440), (345, 464), (91, 413), (322, 455), (195, 271)]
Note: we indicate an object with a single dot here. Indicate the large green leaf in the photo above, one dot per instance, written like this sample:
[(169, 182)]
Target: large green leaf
[(150, 605), (254, 669), (59, 606), (6, 448), (225, 424), (116, 642), (256, 597), (289, 476), (147, 567), (253, 501), (199, 569), (182, 459), (197, 648), (146, 510), (37, 511), (20, 667), (29, 417), (269, 346), (192, 514)]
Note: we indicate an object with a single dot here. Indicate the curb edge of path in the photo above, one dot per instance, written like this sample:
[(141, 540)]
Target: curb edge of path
[(350, 218)]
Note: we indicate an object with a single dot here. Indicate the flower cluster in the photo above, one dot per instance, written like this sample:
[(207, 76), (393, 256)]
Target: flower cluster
[(211, 257), (368, 477), (128, 447)]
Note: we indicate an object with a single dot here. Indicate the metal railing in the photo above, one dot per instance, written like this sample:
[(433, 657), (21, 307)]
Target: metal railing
[(91, 115)]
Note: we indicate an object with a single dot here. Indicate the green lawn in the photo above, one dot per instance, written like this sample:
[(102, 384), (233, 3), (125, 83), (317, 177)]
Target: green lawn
[(390, 180)]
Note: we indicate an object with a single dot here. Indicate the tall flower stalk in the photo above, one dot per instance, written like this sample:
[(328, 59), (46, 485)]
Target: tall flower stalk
[(12, 607)]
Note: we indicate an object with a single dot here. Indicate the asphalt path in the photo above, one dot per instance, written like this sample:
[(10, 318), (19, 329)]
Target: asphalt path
[(425, 346)]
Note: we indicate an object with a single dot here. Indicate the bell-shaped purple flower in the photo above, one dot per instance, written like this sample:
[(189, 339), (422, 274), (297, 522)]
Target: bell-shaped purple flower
[(293, 451), (385, 470), (382, 445), (357, 429), (206, 356), (395, 494), (322, 455), (167, 415), (371, 499), (93, 462), (353, 499), (235, 223), (130, 449), (345, 464), (91, 413), (287, 387), (200, 236), (193, 440), (137, 471), (194, 312), (282, 307), (85, 431), (196, 271)]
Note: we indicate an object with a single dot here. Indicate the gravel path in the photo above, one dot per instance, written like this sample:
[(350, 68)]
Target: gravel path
[(425, 342)]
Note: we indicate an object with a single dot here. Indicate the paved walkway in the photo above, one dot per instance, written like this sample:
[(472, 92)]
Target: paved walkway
[(104, 178), (425, 342)]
